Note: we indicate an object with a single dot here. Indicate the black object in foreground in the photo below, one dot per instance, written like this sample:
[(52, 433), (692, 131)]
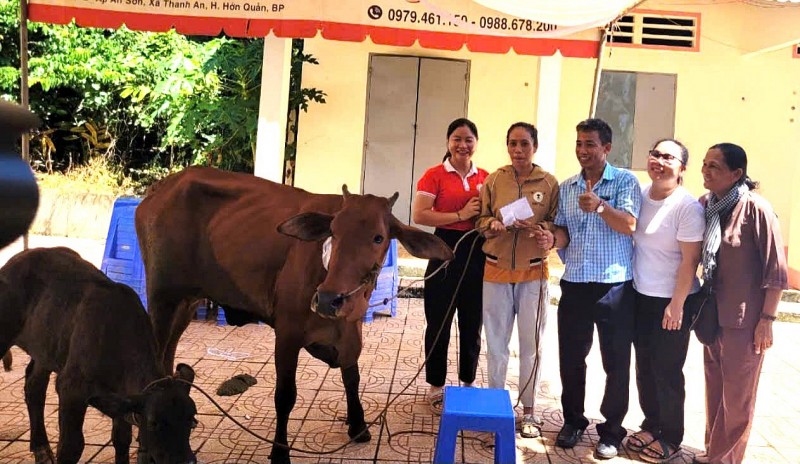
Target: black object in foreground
[(19, 195)]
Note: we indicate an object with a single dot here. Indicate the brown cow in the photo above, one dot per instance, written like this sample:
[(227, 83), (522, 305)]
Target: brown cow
[(206, 233), (72, 319)]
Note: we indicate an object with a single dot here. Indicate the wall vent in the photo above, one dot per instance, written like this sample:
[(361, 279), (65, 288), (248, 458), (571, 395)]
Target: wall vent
[(657, 29)]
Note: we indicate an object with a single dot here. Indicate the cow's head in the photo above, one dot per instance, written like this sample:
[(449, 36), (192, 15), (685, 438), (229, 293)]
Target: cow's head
[(360, 234), (164, 414)]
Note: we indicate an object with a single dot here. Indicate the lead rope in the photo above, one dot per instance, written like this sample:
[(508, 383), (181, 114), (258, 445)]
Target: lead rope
[(407, 290), (542, 304)]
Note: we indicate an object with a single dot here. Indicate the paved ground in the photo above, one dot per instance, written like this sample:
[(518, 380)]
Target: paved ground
[(391, 359)]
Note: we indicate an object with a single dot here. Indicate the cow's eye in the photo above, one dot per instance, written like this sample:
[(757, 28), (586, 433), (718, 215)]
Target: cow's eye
[(378, 239), (153, 426)]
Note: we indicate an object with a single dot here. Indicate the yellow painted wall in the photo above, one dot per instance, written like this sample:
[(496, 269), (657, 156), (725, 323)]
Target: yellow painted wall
[(723, 95), (502, 90)]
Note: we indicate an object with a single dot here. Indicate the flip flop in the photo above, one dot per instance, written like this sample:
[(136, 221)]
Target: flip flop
[(637, 442), (665, 454), (436, 401)]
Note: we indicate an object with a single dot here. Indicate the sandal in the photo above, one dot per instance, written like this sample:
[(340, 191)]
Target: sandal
[(664, 453), (531, 426), (435, 400), (639, 440)]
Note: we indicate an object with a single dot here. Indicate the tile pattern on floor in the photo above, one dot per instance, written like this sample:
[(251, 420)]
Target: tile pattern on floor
[(390, 379)]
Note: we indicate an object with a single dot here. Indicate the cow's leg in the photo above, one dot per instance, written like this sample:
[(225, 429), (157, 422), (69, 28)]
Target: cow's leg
[(36, 381), (287, 350), (121, 438), (357, 429), (183, 316), (169, 323), (71, 413)]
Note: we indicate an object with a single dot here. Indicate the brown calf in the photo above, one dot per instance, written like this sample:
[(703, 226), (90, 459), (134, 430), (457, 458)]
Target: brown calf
[(71, 319)]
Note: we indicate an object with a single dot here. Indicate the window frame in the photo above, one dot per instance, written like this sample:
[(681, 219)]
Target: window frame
[(662, 13)]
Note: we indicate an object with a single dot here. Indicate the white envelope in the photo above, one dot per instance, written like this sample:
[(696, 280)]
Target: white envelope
[(518, 209)]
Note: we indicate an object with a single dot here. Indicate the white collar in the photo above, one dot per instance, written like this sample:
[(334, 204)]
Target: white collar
[(448, 166)]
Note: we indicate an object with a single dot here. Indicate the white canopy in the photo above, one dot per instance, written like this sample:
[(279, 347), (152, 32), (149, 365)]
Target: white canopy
[(584, 13)]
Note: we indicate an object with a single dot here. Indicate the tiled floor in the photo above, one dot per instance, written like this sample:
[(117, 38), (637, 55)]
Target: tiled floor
[(390, 363)]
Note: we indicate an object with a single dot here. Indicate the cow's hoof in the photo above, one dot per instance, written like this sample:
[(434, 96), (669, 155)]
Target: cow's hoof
[(359, 434), (280, 457), (43, 455)]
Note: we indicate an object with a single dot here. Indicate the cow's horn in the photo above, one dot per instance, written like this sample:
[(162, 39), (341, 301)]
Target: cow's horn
[(345, 192), (393, 199)]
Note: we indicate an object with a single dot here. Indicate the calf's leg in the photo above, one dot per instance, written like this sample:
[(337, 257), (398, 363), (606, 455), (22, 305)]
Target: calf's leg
[(7, 360), (121, 436), (36, 381), (71, 414), (287, 351), (355, 411)]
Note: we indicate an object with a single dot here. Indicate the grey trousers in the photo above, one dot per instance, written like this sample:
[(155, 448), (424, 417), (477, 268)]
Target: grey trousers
[(502, 303)]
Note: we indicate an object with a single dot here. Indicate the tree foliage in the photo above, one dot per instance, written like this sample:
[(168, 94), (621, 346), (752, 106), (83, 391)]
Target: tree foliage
[(145, 101)]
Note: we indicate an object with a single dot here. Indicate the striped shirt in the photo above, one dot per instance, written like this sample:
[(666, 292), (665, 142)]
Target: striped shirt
[(597, 253)]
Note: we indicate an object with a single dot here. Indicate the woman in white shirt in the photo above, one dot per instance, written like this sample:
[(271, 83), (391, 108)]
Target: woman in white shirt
[(667, 245)]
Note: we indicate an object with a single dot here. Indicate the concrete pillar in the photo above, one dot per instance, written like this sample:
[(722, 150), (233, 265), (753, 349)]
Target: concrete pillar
[(791, 237), (548, 98), (273, 106)]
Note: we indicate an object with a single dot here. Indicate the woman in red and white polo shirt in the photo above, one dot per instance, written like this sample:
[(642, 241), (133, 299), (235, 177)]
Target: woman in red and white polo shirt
[(447, 198)]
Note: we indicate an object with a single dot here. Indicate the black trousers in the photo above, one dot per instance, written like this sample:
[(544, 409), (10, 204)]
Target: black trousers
[(439, 292), (578, 313), (660, 355)]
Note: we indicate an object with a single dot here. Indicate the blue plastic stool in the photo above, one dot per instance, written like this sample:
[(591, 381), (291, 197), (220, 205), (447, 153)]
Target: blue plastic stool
[(122, 259), (478, 409)]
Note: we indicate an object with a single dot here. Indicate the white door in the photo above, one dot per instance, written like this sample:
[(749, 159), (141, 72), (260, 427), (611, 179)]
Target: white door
[(410, 103)]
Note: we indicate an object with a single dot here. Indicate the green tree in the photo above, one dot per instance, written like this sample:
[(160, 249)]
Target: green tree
[(146, 101)]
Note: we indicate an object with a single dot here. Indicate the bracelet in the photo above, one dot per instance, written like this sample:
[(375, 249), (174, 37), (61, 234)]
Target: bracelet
[(458, 216), (768, 317)]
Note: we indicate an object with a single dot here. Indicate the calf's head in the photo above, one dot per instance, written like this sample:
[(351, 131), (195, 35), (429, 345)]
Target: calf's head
[(360, 234), (164, 414)]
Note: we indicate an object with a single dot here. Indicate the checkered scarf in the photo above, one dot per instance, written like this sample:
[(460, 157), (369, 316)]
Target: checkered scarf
[(712, 238)]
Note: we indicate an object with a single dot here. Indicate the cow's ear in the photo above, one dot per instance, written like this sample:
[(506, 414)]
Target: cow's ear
[(186, 373), (307, 226), (420, 243), (116, 406)]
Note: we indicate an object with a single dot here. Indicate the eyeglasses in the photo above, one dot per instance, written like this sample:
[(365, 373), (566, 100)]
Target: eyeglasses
[(664, 156)]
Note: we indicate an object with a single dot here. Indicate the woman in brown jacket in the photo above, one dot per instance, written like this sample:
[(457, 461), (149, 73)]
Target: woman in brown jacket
[(744, 259), (515, 275)]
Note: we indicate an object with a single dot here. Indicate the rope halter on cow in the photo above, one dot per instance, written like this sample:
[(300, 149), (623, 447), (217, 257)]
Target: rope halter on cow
[(370, 279)]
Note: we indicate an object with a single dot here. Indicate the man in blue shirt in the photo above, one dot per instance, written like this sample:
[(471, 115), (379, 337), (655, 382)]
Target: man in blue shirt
[(597, 213)]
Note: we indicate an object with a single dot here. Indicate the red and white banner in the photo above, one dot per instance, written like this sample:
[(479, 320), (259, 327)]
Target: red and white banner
[(437, 24)]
